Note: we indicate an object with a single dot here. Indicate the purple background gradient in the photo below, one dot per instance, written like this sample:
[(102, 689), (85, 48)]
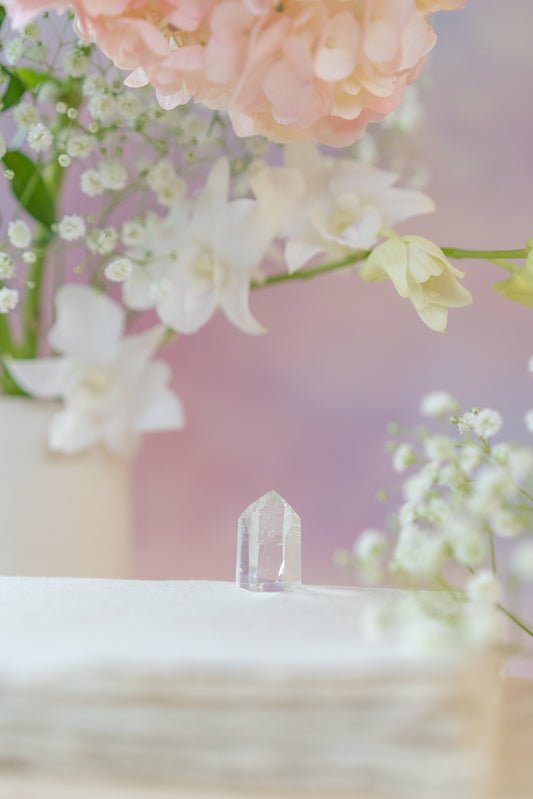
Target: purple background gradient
[(304, 409)]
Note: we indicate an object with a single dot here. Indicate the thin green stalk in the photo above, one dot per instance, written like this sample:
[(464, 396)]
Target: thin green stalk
[(307, 274), (33, 305), (487, 255), (523, 626), (332, 266), (492, 552)]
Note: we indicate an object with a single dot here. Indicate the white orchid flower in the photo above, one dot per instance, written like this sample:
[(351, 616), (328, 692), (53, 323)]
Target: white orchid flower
[(419, 270), (340, 205), (216, 252), (111, 390)]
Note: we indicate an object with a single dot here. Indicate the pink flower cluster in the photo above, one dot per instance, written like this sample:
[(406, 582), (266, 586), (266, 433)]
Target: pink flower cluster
[(287, 69)]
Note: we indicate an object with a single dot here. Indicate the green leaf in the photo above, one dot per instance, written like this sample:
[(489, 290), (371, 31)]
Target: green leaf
[(29, 188), (2, 15), (519, 287), (15, 90), (31, 77)]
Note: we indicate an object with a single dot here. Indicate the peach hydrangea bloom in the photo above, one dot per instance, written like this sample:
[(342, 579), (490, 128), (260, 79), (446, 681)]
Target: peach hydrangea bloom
[(287, 69)]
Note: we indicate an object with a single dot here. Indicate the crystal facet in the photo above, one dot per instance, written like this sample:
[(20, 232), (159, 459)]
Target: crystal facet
[(269, 546)]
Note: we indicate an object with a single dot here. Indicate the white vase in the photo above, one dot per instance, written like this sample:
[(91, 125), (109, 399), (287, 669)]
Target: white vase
[(60, 515)]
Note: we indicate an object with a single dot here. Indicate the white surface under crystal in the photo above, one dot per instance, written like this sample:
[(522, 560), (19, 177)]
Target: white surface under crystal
[(269, 546)]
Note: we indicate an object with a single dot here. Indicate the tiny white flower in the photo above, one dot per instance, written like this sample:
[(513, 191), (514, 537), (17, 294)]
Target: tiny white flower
[(419, 553), (407, 514), (113, 174), (3, 147), (466, 422), (91, 183), (7, 267), (75, 63), (484, 587), (19, 234), (39, 52), (133, 234), (25, 115), (118, 270), (486, 423), (31, 31), (169, 194), (520, 463), (161, 175), (521, 562), (64, 160), (452, 475), (493, 483), (13, 51), (102, 106), (470, 457), (80, 145), (469, 545), (39, 138), (93, 84), (438, 404), (439, 448), (29, 257), (196, 128), (403, 457), (102, 241), (9, 299), (129, 105), (416, 488), (506, 524), (72, 228), (370, 546)]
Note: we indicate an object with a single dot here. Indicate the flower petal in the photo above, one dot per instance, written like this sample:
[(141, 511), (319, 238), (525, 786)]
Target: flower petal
[(159, 407), (391, 258), (46, 378), (88, 325), (71, 432)]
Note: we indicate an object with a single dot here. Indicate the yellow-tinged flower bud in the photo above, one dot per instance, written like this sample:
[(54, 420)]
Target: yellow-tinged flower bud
[(419, 270)]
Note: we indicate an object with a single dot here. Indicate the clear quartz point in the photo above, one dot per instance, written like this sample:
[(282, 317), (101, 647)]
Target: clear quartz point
[(269, 546)]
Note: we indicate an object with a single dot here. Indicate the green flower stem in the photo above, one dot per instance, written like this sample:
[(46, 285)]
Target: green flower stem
[(33, 306), (487, 255), (516, 620), (332, 266), (54, 176), (307, 274)]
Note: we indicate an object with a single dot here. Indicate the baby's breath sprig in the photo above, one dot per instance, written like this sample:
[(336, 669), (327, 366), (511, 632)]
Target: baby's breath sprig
[(466, 515)]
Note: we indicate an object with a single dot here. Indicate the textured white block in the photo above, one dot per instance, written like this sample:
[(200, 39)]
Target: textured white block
[(201, 683)]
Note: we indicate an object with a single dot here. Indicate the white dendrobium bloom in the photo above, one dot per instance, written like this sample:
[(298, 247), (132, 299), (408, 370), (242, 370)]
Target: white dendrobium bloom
[(340, 204), (110, 388), (202, 260), (419, 270)]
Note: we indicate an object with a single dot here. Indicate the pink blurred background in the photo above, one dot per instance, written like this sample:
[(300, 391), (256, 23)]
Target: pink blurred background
[(304, 409)]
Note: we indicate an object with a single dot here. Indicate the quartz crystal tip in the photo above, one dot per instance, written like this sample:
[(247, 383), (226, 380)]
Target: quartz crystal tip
[(269, 546)]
